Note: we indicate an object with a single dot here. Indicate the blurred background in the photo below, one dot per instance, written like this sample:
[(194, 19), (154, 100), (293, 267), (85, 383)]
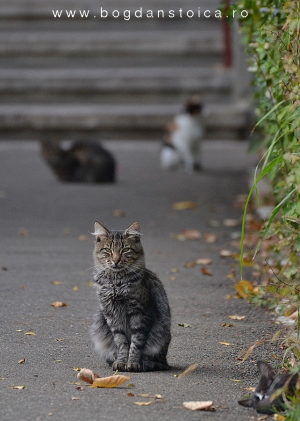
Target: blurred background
[(113, 78)]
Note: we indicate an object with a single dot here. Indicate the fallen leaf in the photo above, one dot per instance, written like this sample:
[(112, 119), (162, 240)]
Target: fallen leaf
[(87, 375), (80, 388), (58, 304), (144, 403), (174, 270), (184, 205), (76, 369), (75, 398), (225, 253), (184, 325), (22, 361), (188, 370), (83, 237), (131, 385), (2, 378), (111, 381), (172, 278), (190, 234), (227, 325), (118, 213), (199, 405), (250, 389), (226, 343), (56, 282), (229, 222), (251, 349), (75, 288), (210, 238), (59, 339), (4, 268), (243, 288), (18, 387), (201, 261), (229, 297), (205, 271), (30, 334), (236, 380), (19, 330), (231, 275), (58, 361), (24, 232), (91, 283), (236, 317), (277, 417)]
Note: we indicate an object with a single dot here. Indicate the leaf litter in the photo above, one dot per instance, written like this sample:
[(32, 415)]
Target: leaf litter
[(95, 381), (199, 405)]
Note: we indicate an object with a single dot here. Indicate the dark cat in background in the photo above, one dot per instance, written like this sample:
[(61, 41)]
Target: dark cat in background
[(265, 398), (84, 161), (132, 328)]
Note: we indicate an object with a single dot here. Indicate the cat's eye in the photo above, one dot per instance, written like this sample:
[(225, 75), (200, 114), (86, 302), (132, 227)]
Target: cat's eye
[(106, 250), (126, 249)]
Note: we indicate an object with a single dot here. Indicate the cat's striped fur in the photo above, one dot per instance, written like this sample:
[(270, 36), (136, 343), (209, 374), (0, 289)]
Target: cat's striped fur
[(132, 328)]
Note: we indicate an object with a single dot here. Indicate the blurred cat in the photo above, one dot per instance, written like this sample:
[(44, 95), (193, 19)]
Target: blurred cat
[(84, 161), (183, 138), (267, 396)]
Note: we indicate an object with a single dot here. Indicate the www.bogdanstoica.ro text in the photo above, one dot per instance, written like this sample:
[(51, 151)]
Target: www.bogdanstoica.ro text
[(149, 14)]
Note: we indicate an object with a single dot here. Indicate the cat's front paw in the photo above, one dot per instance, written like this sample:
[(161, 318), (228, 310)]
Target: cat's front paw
[(133, 366), (119, 365)]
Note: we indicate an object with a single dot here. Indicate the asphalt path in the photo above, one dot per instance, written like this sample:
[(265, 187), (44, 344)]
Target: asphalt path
[(45, 236)]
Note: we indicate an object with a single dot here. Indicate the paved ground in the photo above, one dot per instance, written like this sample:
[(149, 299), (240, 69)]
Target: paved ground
[(41, 221)]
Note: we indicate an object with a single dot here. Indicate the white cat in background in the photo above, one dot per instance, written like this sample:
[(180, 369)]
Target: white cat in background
[(183, 138)]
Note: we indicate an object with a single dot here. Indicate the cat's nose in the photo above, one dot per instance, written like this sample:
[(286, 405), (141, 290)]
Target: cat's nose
[(116, 259)]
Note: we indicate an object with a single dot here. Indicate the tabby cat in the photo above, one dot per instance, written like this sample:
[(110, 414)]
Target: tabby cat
[(266, 399), (84, 161), (132, 328)]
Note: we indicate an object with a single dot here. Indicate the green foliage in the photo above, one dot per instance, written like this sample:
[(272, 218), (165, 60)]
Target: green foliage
[(271, 33)]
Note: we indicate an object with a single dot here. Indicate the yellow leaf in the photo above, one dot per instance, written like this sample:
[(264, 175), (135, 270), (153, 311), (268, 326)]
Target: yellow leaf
[(226, 343), (59, 339), (188, 370), (58, 304), (2, 378), (236, 317), (111, 381), (56, 282), (199, 405), (235, 380), (75, 288), (184, 325), (185, 205), (227, 325), (243, 288), (29, 334), (18, 387), (91, 283), (19, 330), (229, 297)]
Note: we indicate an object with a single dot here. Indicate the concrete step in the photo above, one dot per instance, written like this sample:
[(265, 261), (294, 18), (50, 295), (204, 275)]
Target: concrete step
[(93, 43), (42, 8), (113, 121), (113, 85)]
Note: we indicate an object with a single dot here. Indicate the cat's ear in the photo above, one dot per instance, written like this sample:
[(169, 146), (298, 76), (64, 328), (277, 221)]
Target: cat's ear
[(134, 231), (100, 231), (248, 403), (266, 370)]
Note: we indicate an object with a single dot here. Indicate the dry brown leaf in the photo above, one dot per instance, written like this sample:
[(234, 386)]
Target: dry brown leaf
[(111, 381), (4, 268), (190, 234), (56, 282), (118, 213), (185, 205), (251, 349), (18, 387), (143, 403), (225, 253), (237, 317), (24, 232), (229, 222), (83, 237), (209, 237), (205, 271), (199, 405), (22, 361), (58, 304), (188, 370), (87, 375)]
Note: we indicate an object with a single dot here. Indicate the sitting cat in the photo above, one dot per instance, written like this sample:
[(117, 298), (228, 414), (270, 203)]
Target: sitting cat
[(132, 328), (85, 161), (265, 398), (183, 137)]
